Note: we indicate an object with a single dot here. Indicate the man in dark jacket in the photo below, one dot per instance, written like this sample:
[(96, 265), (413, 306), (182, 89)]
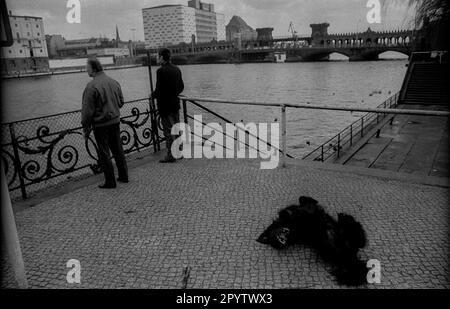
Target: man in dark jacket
[(169, 85), (102, 100)]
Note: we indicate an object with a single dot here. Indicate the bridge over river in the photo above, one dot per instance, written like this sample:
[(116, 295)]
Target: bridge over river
[(366, 45)]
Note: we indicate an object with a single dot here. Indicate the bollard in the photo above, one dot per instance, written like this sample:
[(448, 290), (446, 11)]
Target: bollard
[(10, 237)]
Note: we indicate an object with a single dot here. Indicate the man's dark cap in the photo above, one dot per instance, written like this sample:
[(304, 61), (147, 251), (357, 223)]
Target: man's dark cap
[(165, 53)]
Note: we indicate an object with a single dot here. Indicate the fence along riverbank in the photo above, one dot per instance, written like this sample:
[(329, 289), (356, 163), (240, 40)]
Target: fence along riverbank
[(45, 151)]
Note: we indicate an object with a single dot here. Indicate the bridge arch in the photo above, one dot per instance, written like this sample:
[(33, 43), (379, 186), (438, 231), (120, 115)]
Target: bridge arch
[(393, 54), (338, 55)]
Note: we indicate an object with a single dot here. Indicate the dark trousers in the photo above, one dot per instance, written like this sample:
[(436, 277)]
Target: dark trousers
[(168, 121), (108, 138)]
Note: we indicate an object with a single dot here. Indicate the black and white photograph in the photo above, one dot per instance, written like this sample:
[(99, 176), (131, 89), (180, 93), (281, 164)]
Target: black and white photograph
[(234, 148)]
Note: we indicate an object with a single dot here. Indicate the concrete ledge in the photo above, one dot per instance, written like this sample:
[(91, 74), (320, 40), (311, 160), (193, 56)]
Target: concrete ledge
[(443, 182), (353, 150)]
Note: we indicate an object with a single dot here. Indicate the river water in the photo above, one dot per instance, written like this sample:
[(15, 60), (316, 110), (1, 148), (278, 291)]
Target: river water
[(339, 83)]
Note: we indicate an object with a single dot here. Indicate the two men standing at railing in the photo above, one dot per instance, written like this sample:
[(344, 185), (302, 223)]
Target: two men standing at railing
[(102, 100), (169, 85)]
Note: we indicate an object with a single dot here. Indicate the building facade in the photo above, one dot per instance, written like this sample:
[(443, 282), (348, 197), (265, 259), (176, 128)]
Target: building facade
[(116, 52), (221, 29), (173, 24), (29, 50), (237, 28), (168, 24), (59, 47), (210, 26)]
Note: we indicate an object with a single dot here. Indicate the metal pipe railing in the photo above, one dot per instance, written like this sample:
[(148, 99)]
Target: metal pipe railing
[(327, 107), (224, 119), (340, 142)]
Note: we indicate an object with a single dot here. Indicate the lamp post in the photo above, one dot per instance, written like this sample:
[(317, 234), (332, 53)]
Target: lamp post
[(132, 43)]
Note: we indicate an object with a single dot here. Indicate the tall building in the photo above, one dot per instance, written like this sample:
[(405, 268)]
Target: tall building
[(168, 24), (29, 50), (173, 24), (209, 24)]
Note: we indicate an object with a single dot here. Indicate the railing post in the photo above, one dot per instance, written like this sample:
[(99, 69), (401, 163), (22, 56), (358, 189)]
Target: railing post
[(322, 154), (339, 145), (362, 126), (154, 126), (185, 117), (283, 135), (9, 236), (17, 164), (351, 135), (153, 118)]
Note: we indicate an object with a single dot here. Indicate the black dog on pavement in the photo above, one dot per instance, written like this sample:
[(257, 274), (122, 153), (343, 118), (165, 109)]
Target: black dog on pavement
[(337, 241)]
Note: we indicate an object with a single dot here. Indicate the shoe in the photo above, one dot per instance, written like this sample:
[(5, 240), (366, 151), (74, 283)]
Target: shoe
[(105, 186), (123, 180), (168, 160)]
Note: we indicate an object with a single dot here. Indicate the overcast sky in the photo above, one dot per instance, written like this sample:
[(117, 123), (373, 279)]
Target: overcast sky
[(99, 17)]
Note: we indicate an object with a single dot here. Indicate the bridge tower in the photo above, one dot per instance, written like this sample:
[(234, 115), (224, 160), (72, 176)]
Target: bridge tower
[(319, 33), (264, 36)]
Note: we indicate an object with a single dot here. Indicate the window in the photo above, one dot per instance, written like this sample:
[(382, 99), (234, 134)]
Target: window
[(37, 26), (20, 51), (27, 25), (28, 33), (41, 51), (38, 34), (17, 25), (10, 51)]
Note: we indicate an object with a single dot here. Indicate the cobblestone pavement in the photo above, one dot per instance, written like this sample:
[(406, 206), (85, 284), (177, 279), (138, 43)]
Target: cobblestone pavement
[(206, 215)]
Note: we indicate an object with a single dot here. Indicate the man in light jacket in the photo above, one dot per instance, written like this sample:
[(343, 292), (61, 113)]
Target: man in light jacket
[(102, 100)]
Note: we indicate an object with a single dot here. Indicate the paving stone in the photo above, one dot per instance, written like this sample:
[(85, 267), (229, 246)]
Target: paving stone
[(207, 214)]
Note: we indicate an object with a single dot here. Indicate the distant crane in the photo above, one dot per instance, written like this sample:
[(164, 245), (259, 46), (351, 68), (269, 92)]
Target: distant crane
[(292, 31)]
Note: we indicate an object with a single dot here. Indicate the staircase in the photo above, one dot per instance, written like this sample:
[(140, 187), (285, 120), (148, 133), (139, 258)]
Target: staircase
[(428, 84)]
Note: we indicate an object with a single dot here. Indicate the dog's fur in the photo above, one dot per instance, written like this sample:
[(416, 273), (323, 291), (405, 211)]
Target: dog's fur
[(337, 241)]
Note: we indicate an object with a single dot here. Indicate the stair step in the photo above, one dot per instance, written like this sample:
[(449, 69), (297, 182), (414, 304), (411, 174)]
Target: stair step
[(428, 85)]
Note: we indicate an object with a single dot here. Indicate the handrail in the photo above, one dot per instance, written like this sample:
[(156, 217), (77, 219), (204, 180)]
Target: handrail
[(63, 113), (228, 121), (405, 84), (355, 123), (373, 113), (325, 107)]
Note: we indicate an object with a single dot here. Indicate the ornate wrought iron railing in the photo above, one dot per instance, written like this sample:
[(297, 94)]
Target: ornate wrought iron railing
[(47, 150)]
